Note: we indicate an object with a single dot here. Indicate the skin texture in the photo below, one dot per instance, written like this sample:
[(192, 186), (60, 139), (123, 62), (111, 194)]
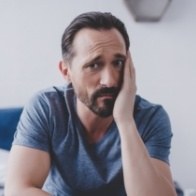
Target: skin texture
[(100, 61)]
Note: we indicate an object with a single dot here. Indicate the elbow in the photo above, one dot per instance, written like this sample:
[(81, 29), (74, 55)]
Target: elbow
[(23, 191), (13, 190), (10, 191)]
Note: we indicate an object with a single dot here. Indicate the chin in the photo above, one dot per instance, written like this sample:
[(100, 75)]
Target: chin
[(103, 112)]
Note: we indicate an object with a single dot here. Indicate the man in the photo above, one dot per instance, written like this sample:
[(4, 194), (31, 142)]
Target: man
[(93, 136)]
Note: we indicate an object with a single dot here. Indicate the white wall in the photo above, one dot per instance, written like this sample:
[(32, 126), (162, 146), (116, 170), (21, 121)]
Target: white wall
[(164, 54)]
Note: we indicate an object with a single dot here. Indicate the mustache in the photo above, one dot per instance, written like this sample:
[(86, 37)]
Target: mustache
[(113, 91)]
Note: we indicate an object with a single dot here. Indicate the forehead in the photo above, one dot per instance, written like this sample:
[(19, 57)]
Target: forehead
[(90, 42)]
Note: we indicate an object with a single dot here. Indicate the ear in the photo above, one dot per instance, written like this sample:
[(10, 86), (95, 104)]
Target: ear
[(64, 69)]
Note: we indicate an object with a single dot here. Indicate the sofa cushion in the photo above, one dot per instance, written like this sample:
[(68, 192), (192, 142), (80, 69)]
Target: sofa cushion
[(9, 118)]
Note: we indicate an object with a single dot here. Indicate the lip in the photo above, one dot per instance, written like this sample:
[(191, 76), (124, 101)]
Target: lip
[(106, 96)]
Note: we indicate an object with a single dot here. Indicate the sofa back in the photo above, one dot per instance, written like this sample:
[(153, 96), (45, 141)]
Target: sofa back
[(9, 118)]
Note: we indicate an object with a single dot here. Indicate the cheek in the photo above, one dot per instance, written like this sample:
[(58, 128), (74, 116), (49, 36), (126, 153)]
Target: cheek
[(80, 85), (78, 81), (84, 82), (76, 78)]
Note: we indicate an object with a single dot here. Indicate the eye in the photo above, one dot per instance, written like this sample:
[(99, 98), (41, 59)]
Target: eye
[(94, 66), (119, 64)]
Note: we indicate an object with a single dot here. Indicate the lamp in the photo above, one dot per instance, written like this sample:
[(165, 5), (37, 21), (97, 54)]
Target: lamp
[(147, 10)]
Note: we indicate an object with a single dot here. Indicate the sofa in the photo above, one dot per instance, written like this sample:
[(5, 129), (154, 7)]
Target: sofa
[(9, 118)]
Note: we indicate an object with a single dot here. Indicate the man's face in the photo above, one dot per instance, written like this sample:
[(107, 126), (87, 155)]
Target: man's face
[(97, 67)]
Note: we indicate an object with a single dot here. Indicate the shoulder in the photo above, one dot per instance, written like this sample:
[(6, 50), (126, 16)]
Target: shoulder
[(151, 117), (144, 107), (49, 94), (144, 104), (45, 104), (47, 98)]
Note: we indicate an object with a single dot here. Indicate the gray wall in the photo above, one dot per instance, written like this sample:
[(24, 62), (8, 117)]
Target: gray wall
[(164, 54)]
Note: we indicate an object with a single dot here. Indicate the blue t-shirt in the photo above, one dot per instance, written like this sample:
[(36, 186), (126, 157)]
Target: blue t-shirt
[(50, 123)]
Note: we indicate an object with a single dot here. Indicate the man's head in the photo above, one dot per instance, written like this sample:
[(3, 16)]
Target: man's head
[(92, 20), (94, 48)]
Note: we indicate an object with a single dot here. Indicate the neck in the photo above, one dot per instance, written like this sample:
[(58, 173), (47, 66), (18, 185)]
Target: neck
[(95, 126)]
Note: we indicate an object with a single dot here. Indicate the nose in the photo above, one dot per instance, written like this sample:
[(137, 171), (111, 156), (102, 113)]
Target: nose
[(109, 77)]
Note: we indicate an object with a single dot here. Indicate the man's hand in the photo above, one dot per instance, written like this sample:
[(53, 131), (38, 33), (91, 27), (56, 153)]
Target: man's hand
[(124, 104)]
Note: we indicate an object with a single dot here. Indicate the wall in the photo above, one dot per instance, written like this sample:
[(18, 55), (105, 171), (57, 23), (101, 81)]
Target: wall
[(163, 53)]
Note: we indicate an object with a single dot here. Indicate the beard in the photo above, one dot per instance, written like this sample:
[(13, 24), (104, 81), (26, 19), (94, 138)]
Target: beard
[(104, 109)]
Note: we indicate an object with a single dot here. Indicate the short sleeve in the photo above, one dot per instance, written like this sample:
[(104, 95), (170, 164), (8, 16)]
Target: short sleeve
[(157, 134), (33, 127)]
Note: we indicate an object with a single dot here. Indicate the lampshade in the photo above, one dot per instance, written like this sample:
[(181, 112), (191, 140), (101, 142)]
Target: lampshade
[(147, 10)]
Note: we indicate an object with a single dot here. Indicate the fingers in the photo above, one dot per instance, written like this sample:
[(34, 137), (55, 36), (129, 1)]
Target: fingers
[(129, 73), (131, 65)]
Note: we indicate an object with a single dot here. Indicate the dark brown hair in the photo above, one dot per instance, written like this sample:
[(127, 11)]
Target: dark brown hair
[(93, 20)]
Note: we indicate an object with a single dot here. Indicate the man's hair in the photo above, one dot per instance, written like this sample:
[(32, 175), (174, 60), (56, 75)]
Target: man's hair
[(93, 20)]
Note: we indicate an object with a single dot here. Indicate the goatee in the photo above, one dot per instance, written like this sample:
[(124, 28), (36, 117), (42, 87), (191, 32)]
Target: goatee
[(108, 103)]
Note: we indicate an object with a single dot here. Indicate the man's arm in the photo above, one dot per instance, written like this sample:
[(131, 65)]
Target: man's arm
[(27, 171), (143, 175)]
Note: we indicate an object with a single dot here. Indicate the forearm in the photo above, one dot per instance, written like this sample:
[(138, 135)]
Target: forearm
[(140, 176), (30, 191)]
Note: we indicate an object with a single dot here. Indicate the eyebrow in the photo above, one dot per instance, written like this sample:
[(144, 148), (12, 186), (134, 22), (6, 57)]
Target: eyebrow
[(96, 58), (120, 56)]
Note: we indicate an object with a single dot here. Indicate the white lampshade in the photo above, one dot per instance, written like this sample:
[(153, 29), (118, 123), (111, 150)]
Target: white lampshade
[(147, 10)]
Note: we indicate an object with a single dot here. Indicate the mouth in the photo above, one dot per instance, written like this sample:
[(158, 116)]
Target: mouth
[(109, 95), (105, 94)]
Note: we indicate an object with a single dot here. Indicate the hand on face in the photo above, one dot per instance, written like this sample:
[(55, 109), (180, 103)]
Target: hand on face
[(124, 104)]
